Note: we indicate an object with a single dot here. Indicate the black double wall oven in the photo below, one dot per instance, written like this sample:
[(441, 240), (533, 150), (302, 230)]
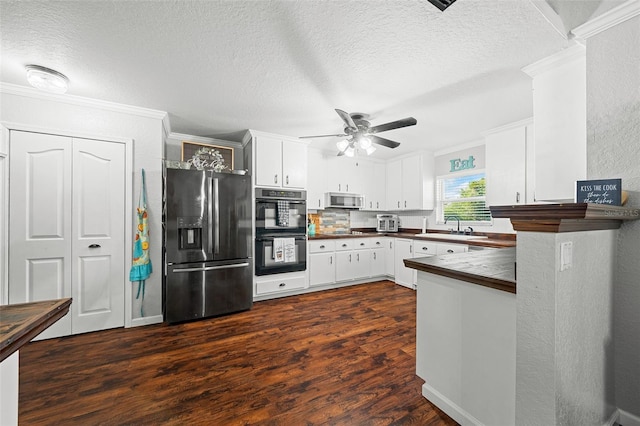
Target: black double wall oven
[(281, 231)]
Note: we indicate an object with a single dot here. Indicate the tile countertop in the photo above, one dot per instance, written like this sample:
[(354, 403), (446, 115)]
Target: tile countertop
[(492, 240), (495, 268)]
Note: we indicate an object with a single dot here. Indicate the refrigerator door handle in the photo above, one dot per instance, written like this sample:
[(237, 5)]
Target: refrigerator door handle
[(210, 218), (216, 201), (212, 268)]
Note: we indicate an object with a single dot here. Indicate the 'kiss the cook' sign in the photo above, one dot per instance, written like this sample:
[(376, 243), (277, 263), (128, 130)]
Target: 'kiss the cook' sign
[(604, 191)]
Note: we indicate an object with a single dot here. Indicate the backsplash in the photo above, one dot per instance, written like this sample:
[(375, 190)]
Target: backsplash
[(342, 221), (331, 221)]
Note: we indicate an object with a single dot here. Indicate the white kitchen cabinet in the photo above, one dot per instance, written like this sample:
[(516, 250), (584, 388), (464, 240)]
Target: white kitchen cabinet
[(559, 108), (322, 268), (279, 283), (443, 248), (411, 183), (378, 262), (316, 179), (352, 259), (403, 275), (506, 164), (424, 248), (322, 263), (279, 162), (390, 260), (344, 175), (375, 186)]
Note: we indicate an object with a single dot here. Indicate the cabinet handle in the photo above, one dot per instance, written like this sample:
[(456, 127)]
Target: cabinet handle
[(405, 204), (425, 248), (374, 255), (377, 204), (370, 204), (287, 179), (339, 187), (410, 249), (322, 246), (319, 202), (275, 178), (349, 258), (344, 245), (449, 251), (398, 204), (377, 243), (358, 257), (330, 260), (517, 197), (282, 285), (347, 187), (94, 245), (361, 244)]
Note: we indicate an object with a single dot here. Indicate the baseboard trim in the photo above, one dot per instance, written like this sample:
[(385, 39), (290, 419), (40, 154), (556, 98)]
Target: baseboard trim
[(445, 404), (138, 322), (627, 419)]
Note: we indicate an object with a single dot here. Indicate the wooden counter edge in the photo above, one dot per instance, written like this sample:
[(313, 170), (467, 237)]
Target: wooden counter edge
[(495, 283), (34, 326)]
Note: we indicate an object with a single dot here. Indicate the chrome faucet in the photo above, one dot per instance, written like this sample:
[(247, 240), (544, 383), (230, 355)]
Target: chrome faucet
[(453, 217)]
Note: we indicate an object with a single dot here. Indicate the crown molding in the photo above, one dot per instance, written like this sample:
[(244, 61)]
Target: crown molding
[(551, 17), (509, 126), (571, 53), (609, 19), (29, 92)]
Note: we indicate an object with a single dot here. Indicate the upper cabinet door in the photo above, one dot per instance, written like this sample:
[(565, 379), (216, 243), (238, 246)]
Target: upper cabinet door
[(294, 164), (268, 161), (506, 167), (411, 183), (394, 185)]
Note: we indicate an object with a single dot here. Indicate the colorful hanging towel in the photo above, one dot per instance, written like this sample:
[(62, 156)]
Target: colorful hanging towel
[(141, 264)]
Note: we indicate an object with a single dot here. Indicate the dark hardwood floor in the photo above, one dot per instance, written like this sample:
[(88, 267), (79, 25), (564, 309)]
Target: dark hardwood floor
[(337, 357)]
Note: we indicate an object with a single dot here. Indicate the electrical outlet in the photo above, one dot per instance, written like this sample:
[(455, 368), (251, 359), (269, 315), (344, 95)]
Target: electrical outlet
[(566, 255)]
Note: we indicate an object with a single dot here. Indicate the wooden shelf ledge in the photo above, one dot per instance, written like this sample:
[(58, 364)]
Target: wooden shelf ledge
[(569, 217)]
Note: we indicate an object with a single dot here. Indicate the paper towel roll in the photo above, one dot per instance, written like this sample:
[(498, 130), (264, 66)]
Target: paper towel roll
[(424, 224)]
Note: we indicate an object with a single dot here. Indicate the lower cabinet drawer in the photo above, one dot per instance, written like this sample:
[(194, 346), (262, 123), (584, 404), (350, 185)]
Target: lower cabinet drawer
[(275, 285)]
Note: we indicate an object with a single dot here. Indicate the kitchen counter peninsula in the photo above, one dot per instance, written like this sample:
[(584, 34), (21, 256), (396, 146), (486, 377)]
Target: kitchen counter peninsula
[(494, 268), (466, 333)]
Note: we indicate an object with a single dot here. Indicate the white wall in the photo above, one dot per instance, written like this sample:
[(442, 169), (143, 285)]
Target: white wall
[(145, 127), (564, 351), (613, 151)]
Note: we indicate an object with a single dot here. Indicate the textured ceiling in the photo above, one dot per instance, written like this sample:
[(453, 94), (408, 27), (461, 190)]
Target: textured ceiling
[(220, 67)]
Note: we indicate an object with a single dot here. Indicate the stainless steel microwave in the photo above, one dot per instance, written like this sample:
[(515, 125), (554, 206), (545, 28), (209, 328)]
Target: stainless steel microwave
[(344, 201)]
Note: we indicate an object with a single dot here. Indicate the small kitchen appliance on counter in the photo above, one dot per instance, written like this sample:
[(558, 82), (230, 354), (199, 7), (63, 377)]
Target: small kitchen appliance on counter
[(387, 223)]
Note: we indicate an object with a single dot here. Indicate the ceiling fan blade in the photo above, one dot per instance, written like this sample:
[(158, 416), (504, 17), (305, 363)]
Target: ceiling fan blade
[(347, 119), (323, 136), (384, 142), (405, 122), (341, 153)]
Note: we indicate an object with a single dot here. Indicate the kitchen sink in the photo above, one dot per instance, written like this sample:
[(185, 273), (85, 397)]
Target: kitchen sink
[(452, 236)]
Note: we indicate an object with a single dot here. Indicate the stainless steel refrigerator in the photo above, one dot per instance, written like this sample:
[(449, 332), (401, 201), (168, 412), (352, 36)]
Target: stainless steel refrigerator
[(207, 226)]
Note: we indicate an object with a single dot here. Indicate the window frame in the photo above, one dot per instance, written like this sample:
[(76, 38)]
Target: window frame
[(440, 200)]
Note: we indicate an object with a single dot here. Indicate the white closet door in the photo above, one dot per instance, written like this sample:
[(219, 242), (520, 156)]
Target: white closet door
[(67, 228), (98, 235), (40, 221)]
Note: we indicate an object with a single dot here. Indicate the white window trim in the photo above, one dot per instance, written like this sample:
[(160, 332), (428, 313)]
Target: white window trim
[(439, 201)]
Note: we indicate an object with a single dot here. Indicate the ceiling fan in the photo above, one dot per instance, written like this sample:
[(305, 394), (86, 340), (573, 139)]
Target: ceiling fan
[(360, 134)]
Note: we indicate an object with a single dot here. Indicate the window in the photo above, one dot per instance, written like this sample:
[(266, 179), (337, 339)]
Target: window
[(463, 196)]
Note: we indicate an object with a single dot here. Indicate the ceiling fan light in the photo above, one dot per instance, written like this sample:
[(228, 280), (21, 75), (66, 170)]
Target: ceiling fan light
[(350, 152), (370, 150), (365, 143), (342, 145), (46, 79)]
